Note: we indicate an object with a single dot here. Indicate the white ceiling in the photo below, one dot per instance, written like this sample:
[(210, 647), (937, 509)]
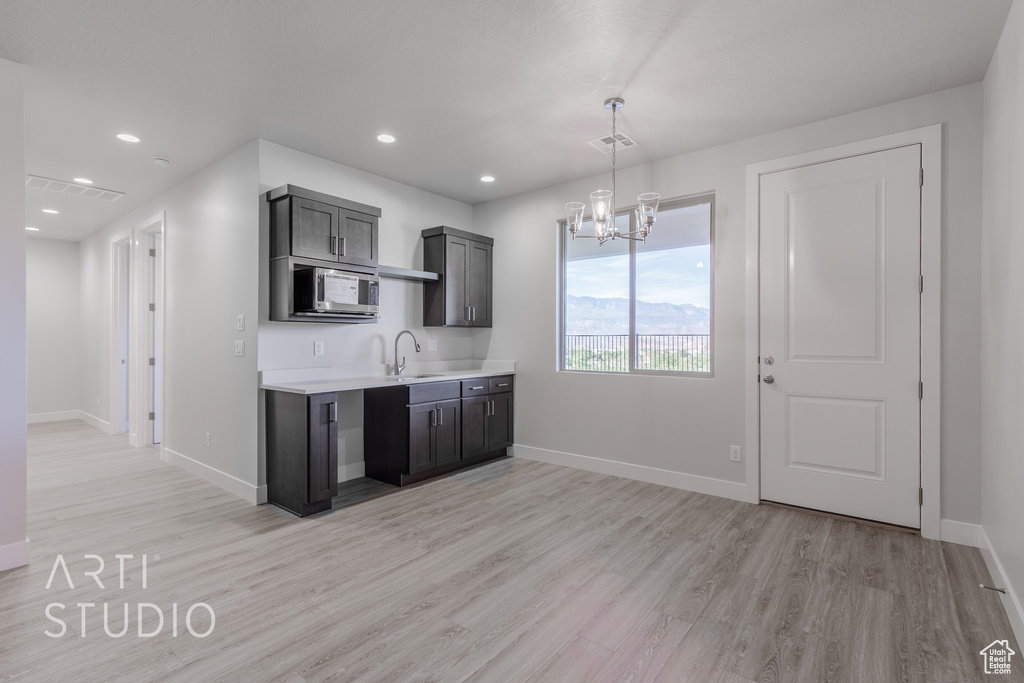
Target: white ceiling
[(510, 88)]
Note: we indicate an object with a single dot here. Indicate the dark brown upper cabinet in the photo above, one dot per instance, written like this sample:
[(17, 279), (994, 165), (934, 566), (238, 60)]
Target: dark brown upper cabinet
[(463, 295), (320, 226)]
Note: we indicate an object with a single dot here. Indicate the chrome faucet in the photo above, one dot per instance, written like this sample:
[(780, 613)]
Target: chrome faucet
[(401, 366)]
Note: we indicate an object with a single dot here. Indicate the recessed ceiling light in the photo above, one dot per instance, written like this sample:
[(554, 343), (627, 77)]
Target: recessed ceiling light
[(32, 229), (487, 179), (384, 137), (50, 211), (127, 137), (83, 181)]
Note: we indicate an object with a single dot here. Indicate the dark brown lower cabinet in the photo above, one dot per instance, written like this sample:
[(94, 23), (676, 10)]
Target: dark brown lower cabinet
[(486, 423), (302, 451), (415, 432)]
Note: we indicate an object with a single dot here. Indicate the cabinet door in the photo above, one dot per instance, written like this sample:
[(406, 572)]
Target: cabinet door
[(456, 263), (314, 229), (323, 446), (499, 427), (474, 425), (357, 238), (421, 437), (448, 432), (479, 284)]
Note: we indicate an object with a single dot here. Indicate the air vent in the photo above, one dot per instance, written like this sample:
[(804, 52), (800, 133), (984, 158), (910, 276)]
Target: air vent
[(605, 144), (66, 187)]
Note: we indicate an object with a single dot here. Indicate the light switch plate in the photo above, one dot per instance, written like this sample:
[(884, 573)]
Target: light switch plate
[(239, 348), (240, 323)]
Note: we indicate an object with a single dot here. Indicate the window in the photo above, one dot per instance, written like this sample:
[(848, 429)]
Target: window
[(634, 307)]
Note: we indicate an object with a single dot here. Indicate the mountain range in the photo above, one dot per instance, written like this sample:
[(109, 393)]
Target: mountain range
[(591, 315)]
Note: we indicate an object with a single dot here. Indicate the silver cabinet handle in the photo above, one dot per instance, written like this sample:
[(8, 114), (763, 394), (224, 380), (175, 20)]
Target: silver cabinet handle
[(334, 244), (487, 408), (492, 408), (334, 412), (473, 388), (503, 384), (474, 313), (440, 417), (433, 417), (768, 379), (341, 245)]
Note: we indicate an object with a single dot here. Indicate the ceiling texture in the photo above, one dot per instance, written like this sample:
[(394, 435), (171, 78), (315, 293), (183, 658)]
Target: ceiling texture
[(509, 88)]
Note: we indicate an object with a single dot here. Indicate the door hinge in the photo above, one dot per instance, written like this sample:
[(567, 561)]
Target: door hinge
[(152, 361), (920, 496), (152, 416), (152, 252), (922, 177), (921, 285), (152, 307), (920, 389)]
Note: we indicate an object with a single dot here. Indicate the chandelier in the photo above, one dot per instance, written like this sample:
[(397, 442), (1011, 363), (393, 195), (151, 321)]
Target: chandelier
[(602, 203)]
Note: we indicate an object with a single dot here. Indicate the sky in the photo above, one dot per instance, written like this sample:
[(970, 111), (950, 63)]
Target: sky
[(665, 276)]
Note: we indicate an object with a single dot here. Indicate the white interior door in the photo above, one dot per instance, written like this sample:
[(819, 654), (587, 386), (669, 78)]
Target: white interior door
[(840, 250)]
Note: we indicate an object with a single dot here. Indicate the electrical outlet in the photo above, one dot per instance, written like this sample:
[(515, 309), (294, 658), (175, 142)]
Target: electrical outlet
[(318, 348), (239, 348), (431, 345), (240, 323), (97, 401), (735, 453), (207, 439)]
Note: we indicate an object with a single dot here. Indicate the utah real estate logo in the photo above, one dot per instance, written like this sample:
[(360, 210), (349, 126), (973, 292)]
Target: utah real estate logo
[(997, 657)]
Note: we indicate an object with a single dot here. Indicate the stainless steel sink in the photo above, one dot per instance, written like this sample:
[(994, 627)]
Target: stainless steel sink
[(406, 378)]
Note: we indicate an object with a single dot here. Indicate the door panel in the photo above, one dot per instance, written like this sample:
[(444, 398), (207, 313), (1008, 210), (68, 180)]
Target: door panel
[(840, 319), (323, 447), (358, 239), (474, 426), (456, 260), (314, 224), (500, 425), (448, 432), (421, 436), (479, 281)]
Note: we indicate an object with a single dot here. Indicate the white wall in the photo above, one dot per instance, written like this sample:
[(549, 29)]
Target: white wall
[(211, 275), (685, 425), (14, 546), (405, 211), (53, 329), (1002, 371)]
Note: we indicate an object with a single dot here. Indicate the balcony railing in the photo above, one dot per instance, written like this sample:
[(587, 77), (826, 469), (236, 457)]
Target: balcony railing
[(657, 352)]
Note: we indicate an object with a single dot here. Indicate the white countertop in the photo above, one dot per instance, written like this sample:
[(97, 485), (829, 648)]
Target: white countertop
[(326, 381)]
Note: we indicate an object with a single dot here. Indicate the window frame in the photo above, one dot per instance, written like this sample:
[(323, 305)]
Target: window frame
[(676, 203)]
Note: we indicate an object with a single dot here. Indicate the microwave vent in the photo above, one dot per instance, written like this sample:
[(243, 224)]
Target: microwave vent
[(67, 187), (604, 143)]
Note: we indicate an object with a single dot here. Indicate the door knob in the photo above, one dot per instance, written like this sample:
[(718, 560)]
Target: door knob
[(768, 379), (768, 360)]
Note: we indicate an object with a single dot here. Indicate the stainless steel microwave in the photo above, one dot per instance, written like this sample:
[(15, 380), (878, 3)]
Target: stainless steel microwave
[(326, 290)]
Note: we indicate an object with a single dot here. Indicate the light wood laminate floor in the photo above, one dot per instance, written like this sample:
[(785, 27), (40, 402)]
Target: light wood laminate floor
[(516, 572)]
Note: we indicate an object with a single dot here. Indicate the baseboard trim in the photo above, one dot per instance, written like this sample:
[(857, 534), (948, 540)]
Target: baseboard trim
[(14, 555), (1011, 603), (257, 495), (960, 533), (99, 424), (351, 471), (59, 416), (652, 475)]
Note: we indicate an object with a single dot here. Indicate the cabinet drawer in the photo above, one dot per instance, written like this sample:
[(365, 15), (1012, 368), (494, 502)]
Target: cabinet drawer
[(475, 387), (433, 391), (496, 385)]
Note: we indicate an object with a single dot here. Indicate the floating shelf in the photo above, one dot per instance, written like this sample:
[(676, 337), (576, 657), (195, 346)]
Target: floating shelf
[(407, 274)]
